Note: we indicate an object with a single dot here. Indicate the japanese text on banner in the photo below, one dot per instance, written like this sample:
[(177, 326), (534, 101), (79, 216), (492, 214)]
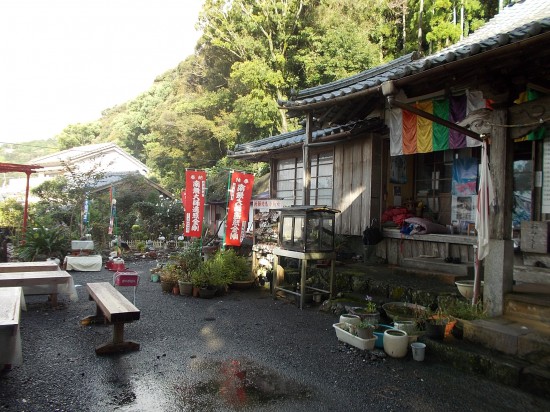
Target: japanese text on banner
[(240, 193), (195, 191)]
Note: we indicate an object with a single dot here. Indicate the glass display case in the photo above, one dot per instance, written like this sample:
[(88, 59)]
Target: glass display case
[(305, 233), (307, 229)]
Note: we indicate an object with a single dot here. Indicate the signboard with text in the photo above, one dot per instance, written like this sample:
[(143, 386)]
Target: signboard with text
[(238, 206), (194, 198)]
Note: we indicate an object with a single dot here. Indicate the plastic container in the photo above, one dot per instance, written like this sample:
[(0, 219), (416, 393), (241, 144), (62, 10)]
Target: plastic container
[(349, 318), (418, 350), (396, 343), (345, 336), (379, 335)]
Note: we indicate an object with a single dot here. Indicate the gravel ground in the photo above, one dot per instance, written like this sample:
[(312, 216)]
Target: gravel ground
[(240, 352)]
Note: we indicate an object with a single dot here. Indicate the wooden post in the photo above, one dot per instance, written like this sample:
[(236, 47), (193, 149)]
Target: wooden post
[(307, 161), (499, 264)]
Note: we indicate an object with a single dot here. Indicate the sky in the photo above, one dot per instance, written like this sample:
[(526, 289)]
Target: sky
[(63, 62)]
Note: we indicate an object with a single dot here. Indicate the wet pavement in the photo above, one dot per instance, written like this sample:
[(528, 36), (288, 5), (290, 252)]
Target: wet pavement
[(243, 351)]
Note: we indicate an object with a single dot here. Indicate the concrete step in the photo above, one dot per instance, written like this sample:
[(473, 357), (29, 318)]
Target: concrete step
[(505, 369), (532, 274), (459, 270), (436, 269), (527, 306), (523, 338)]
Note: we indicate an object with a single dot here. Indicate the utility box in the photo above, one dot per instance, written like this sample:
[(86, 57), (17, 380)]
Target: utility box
[(307, 228), (534, 236)]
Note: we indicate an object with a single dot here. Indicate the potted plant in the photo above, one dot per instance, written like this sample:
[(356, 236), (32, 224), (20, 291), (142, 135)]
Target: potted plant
[(236, 268), (436, 324), (209, 277), (368, 312), (168, 277), (186, 261), (365, 330)]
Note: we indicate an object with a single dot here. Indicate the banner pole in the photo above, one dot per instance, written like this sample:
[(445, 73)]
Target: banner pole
[(227, 206)]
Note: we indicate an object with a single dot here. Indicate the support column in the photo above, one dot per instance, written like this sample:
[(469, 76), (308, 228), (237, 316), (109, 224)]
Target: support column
[(306, 161), (499, 264)]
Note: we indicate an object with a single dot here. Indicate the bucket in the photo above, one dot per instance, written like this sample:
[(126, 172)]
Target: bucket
[(418, 350)]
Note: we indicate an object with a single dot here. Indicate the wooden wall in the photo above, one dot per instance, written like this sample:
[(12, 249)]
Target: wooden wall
[(357, 183)]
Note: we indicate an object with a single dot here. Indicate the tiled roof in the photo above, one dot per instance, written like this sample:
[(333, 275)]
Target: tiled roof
[(339, 102), (297, 137), (73, 153), (517, 21)]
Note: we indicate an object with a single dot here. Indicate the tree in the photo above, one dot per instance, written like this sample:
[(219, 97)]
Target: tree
[(62, 198), (11, 214), (78, 134)]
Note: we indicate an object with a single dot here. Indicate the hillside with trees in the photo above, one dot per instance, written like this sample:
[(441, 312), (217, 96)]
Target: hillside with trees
[(253, 54)]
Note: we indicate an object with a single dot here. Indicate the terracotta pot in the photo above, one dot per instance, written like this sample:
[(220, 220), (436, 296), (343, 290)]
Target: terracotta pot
[(176, 289), (196, 291)]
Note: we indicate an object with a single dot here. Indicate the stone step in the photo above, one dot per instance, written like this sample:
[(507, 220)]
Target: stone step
[(527, 306), (532, 274), (522, 338), (465, 269), (476, 359), (436, 269)]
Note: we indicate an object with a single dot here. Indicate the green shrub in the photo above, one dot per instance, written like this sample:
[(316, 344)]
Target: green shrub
[(45, 242)]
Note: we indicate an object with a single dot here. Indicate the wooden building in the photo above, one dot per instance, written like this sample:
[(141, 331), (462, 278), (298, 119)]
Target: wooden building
[(395, 134)]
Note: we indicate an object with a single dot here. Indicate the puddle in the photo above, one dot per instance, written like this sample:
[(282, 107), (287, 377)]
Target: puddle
[(236, 384)]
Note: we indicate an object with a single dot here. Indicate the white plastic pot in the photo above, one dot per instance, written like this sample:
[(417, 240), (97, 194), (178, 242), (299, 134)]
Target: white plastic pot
[(396, 343), (351, 319)]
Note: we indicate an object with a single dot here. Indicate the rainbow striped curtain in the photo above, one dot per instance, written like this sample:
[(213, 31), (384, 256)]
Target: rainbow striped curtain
[(411, 134)]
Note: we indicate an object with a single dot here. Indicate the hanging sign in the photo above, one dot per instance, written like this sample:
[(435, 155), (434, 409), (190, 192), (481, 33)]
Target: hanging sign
[(238, 205), (193, 198), (113, 211)]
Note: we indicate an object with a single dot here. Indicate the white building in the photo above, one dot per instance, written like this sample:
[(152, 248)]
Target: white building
[(101, 157)]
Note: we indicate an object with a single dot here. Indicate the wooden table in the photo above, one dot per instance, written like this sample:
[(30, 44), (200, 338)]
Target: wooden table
[(28, 266), (41, 283)]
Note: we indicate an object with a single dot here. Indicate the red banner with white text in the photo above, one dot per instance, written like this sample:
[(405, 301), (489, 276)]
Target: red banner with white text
[(238, 205), (194, 196)]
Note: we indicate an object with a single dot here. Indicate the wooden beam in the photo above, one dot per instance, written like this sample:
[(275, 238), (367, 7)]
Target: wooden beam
[(527, 117), (433, 118)]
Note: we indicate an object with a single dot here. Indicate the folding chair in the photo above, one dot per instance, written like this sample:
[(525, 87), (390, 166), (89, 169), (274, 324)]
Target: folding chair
[(126, 278)]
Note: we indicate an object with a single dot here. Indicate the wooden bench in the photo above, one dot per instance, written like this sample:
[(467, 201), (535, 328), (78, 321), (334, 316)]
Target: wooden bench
[(10, 340), (10, 267), (40, 283), (115, 309)]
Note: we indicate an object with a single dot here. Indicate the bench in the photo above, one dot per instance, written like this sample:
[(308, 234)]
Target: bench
[(10, 267), (112, 308), (10, 340), (41, 283)]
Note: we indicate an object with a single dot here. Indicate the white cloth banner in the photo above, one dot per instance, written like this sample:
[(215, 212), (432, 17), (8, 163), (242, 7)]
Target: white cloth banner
[(485, 200)]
